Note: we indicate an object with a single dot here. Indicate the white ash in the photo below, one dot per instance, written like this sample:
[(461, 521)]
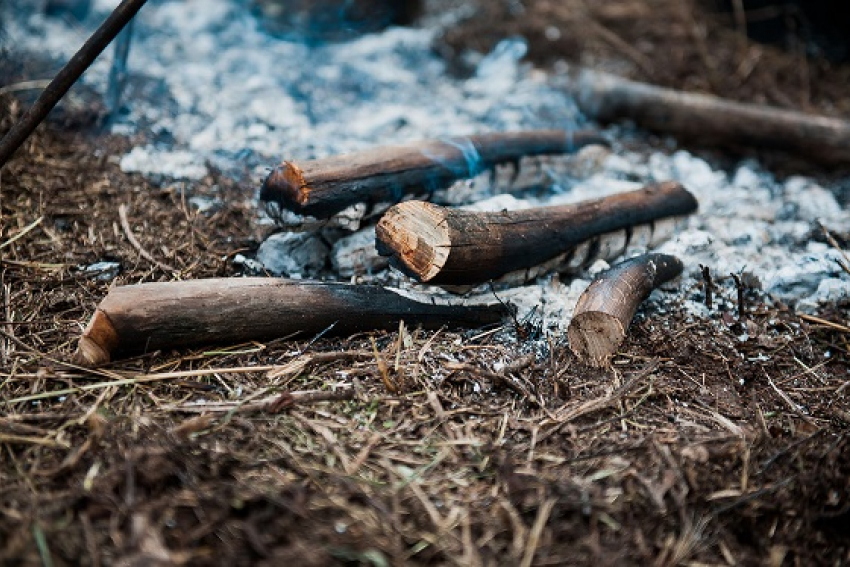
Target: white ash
[(356, 255), (233, 95), (294, 254), (105, 270), (208, 86)]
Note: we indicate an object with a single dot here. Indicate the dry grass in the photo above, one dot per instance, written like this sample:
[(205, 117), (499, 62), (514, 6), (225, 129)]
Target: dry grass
[(695, 447)]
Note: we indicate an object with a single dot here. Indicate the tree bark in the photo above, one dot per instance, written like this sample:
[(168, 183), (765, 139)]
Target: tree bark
[(323, 187), (710, 119), (606, 308), (453, 247), (152, 316)]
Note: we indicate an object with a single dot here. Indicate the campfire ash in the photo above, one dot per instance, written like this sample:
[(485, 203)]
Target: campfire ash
[(208, 86)]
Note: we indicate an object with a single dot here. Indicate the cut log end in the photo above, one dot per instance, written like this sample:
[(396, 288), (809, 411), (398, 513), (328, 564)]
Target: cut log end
[(416, 238), (606, 308), (98, 341), (595, 336), (286, 185)]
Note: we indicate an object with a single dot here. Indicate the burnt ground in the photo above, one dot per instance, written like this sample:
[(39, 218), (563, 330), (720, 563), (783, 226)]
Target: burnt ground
[(721, 440)]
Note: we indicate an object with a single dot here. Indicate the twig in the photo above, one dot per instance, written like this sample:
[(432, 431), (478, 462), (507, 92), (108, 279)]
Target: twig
[(44, 442), (834, 243), (118, 71), (708, 284), (23, 231), (140, 379), (37, 84), (543, 514), (125, 224), (795, 407), (495, 376), (739, 286), (824, 322), (568, 414)]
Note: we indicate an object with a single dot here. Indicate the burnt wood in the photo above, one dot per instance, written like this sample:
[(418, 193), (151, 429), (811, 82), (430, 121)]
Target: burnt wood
[(152, 316), (606, 308), (709, 119), (454, 247), (323, 187)]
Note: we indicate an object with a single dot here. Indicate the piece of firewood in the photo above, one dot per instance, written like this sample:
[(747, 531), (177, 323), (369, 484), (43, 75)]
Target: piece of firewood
[(710, 119), (152, 316), (324, 187), (606, 308), (454, 247)]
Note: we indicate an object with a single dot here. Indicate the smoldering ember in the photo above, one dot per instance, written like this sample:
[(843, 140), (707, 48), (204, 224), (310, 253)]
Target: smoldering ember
[(437, 282)]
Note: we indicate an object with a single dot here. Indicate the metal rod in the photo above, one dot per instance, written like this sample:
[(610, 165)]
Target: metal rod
[(67, 77)]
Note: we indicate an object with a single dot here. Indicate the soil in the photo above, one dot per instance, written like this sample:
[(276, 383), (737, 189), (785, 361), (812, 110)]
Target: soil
[(717, 440)]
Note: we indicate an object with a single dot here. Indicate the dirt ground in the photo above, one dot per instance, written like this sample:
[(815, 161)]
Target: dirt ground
[(715, 441)]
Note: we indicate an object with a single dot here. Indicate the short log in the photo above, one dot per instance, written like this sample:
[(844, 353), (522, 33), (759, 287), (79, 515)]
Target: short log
[(606, 308), (453, 247), (152, 316), (710, 119), (324, 187)]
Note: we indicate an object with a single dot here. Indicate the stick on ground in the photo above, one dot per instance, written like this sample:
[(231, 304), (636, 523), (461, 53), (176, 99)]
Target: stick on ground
[(454, 247), (323, 187), (152, 316), (605, 309), (710, 119)]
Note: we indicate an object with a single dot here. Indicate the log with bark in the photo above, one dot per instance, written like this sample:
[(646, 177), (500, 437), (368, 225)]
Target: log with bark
[(324, 187), (151, 316), (454, 247), (606, 308), (709, 119)]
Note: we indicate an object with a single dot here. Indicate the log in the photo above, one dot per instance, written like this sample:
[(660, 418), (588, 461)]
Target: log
[(606, 308), (709, 119), (323, 187), (454, 247), (152, 316)]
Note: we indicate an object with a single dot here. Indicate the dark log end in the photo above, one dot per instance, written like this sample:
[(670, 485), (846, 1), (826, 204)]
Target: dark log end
[(682, 199), (416, 238), (286, 186), (98, 342), (595, 336)]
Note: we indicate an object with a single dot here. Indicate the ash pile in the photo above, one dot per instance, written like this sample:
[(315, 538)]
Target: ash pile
[(239, 88)]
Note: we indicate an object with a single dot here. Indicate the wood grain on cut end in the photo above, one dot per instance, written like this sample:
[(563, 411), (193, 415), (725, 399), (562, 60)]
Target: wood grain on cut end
[(594, 336), (98, 341), (286, 184), (416, 238), (606, 308)]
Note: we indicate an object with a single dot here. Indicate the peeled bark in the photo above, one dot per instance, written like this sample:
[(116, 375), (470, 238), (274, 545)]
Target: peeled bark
[(324, 187), (606, 308), (444, 246), (151, 316)]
